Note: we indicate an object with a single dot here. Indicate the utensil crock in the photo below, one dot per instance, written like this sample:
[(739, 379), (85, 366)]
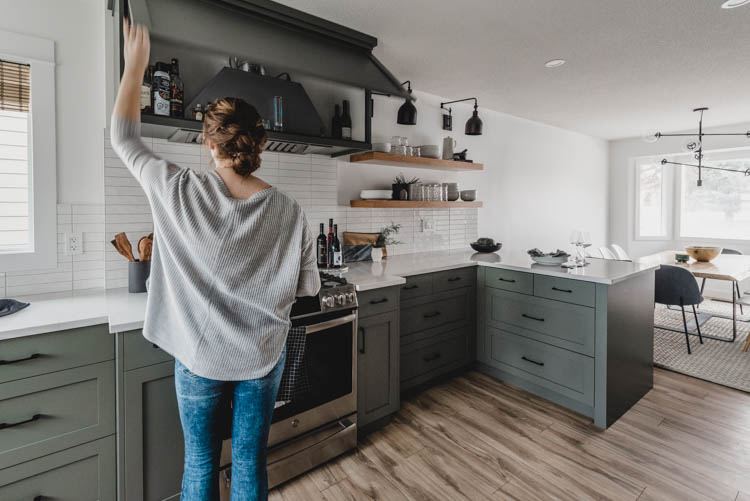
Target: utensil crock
[(138, 272)]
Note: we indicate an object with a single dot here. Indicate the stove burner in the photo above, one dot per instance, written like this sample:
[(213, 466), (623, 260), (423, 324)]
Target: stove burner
[(330, 280)]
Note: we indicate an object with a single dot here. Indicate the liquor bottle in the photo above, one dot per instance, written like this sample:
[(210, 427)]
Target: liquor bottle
[(329, 245), (176, 92), (322, 248), (161, 89), (336, 123), (338, 258), (146, 94), (346, 122), (198, 112)]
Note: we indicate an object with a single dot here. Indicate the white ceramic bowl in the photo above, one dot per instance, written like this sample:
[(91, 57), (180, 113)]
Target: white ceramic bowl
[(469, 195), (375, 194), (381, 147), (429, 151)]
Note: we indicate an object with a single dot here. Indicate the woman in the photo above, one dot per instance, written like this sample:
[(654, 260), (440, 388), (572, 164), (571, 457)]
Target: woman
[(230, 254)]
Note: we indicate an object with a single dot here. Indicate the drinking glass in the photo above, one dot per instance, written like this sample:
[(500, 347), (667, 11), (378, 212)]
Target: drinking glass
[(575, 240), (585, 243)]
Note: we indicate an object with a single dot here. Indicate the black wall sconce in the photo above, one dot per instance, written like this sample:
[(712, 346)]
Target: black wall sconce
[(407, 113), (473, 124)]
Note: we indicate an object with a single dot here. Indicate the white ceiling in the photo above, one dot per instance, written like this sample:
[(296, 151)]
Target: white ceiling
[(632, 65)]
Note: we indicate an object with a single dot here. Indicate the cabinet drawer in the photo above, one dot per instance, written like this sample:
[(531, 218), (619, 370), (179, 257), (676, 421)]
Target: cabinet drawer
[(561, 371), (140, 352), (565, 289), (44, 353), (416, 286), (377, 301), (454, 279), (435, 358), (83, 473), (561, 324), (444, 309), (509, 280), (48, 413)]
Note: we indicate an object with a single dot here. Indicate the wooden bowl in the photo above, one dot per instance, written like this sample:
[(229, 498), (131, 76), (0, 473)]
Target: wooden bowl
[(703, 254)]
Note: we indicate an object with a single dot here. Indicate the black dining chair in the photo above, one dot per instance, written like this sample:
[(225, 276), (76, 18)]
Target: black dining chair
[(736, 285), (677, 286)]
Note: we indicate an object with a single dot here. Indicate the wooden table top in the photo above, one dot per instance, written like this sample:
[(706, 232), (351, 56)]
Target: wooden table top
[(724, 267)]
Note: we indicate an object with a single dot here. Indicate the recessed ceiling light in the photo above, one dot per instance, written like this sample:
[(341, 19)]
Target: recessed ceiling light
[(556, 63), (732, 4)]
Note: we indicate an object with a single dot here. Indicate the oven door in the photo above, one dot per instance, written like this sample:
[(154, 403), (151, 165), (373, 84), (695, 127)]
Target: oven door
[(331, 363)]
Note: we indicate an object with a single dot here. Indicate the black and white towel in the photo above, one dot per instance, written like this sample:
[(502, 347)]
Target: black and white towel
[(294, 380)]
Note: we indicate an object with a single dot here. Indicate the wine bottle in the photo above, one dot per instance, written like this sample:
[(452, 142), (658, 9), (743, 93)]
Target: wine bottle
[(346, 122), (336, 122), (146, 95), (329, 245), (322, 248), (176, 93), (338, 258)]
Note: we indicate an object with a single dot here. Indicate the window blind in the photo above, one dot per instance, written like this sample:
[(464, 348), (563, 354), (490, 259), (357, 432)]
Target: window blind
[(15, 86)]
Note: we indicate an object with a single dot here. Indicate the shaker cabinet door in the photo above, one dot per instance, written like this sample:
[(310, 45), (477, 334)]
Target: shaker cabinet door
[(377, 367)]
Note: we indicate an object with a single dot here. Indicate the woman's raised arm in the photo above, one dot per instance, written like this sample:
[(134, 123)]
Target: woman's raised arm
[(137, 47)]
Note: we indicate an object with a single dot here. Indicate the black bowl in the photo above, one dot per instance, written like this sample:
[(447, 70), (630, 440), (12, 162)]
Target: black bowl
[(486, 248)]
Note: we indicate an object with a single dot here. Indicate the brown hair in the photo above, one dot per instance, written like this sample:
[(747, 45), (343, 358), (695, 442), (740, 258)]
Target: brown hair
[(236, 128)]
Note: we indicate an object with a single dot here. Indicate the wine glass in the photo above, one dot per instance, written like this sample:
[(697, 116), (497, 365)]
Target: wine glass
[(575, 240), (585, 243)]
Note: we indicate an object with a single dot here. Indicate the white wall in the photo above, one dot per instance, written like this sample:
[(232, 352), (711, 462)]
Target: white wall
[(78, 31)]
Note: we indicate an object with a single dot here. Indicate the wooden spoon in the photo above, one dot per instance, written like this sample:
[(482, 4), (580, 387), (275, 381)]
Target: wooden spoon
[(123, 245), (142, 248)]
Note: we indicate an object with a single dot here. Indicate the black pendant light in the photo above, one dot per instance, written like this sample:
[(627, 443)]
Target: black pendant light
[(473, 124), (407, 113)]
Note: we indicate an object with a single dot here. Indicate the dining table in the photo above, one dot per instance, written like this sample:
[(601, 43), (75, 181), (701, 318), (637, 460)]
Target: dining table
[(732, 268)]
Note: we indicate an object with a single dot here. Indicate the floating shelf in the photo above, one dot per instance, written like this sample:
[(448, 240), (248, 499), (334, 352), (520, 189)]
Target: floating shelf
[(412, 204), (377, 157)]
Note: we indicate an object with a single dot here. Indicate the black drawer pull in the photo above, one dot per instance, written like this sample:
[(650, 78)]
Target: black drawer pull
[(562, 290), (33, 356), (524, 315), (432, 357), (432, 315), (540, 364), (509, 280), (33, 418), (454, 279), (362, 349), (378, 301), (410, 287)]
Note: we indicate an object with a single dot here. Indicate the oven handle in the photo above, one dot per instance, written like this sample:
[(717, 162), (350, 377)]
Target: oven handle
[(310, 329)]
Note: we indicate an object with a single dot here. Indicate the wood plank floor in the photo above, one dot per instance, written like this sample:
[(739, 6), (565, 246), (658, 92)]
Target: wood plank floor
[(476, 438)]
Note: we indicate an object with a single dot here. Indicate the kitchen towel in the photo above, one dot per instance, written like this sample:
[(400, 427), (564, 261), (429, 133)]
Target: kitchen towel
[(294, 380), (8, 306)]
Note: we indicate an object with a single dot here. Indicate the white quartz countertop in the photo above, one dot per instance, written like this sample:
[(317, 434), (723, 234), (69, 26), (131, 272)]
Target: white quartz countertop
[(124, 311)]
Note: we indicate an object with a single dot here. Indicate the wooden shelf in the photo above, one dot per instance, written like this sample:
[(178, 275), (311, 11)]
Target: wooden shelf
[(412, 204), (377, 157)]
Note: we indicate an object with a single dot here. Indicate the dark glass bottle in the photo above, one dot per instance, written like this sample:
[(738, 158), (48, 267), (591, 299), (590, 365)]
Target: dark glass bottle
[(146, 94), (346, 122), (322, 248), (329, 245), (338, 258), (176, 93), (161, 85), (336, 122)]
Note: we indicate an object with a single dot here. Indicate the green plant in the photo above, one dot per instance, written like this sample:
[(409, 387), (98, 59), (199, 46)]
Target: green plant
[(385, 237), (401, 179)]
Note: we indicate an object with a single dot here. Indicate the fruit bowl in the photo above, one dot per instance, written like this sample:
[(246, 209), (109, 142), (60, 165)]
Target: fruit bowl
[(703, 254), (485, 248)]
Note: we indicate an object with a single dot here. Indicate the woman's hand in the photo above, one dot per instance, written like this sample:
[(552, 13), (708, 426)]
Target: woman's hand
[(137, 47)]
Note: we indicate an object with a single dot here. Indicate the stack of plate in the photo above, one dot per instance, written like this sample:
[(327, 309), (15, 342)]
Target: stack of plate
[(429, 151), (375, 194)]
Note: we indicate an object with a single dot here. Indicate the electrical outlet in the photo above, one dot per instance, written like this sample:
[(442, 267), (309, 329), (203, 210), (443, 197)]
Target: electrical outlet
[(428, 225), (73, 244)]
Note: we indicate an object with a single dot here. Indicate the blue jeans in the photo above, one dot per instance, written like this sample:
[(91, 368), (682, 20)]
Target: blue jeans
[(204, 412)]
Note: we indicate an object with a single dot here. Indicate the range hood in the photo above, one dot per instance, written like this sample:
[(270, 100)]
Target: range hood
[(271, 34)]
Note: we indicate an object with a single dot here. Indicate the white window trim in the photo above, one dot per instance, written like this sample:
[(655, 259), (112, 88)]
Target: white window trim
[(667, 203), (39, 53)]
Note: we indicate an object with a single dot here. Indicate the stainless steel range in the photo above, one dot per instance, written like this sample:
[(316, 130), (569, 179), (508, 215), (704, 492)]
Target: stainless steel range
[(321, 423)]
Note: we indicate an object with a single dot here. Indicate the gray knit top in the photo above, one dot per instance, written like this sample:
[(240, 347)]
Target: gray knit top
[(224, 271)]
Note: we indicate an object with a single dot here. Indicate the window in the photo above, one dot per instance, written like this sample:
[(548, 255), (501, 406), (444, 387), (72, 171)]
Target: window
[(652, 188), (15, 91), (720, 209), (28, 185)]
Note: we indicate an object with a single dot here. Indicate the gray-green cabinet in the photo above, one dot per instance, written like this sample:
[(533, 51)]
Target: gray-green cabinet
[(150, 434)]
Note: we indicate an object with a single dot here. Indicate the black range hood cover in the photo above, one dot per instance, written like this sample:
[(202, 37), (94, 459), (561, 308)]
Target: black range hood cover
[(269, 33)]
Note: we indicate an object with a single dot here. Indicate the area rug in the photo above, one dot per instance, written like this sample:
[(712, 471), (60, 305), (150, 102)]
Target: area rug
[(716, 361)]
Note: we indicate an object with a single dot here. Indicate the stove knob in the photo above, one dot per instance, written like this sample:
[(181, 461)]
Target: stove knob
[(329, 301), (340, 299), (350, 297)]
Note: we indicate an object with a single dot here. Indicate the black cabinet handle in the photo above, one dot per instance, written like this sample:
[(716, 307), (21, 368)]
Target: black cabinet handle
[(540, 364), (431, 358), (362, 344), (454, 279), (509, 280), (410, 287), (33, 356), (432, 315), (378, 301), (33, 418), (562, 290), (524, 315)]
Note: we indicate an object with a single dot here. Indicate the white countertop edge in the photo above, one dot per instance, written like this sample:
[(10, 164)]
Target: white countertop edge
[(556, 271), (125, 326), (388, 281), (53, 327)]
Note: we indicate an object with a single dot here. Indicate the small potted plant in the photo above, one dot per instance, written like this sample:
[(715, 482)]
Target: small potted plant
[(400, 187), (385, 238)]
